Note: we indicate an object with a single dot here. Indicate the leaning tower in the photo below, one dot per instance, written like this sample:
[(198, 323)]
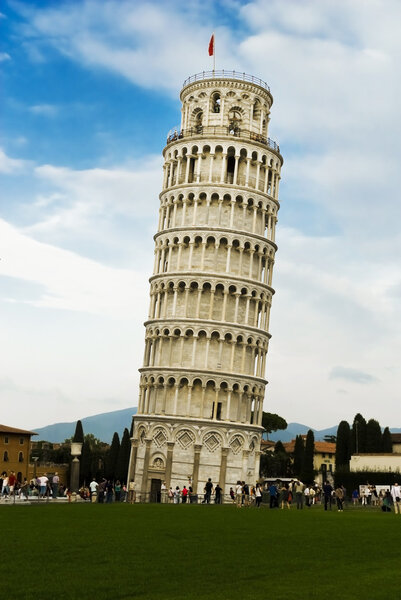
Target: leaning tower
[(203, 377)]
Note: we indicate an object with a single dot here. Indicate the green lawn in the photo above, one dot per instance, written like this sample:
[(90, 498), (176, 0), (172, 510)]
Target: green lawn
[(198, 552)]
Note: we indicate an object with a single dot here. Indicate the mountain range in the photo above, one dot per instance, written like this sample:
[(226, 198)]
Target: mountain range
[(104, 425)]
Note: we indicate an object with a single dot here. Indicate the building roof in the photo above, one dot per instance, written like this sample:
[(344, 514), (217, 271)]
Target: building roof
[(396, 438), (7, 429), (267, 445), (323, 447)]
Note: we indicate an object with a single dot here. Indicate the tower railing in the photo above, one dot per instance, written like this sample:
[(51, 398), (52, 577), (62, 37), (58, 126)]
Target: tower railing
[(226, 75), (177, 134)]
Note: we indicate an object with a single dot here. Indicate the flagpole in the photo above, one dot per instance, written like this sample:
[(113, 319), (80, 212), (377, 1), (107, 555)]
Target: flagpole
[(214, 53)]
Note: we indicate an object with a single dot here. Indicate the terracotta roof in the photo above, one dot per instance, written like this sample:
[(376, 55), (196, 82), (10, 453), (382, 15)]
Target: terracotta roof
[(266, 444), (6, 429), (324, 447), (396, 438)]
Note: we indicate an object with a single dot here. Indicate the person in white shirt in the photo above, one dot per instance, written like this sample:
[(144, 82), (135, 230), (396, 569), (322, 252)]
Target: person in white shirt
[(93, 489), (42, 485), (396, 496)]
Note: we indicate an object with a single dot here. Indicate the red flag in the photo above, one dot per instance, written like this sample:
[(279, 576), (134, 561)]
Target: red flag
[(211, 45)]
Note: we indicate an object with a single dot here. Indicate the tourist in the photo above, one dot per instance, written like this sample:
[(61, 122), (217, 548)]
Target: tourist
[(339, 492), (4, 486), (55, 484), (285, 496), (245, 488), (386, 506), (232, 494), (163, 490), (12, 480), (312, 496), (355, 497), (101, 491), (327, 491), (109, 489), (184, 494), (43, 481), (299, 493), (396, 496), (258, 495), (238, 493), (131, 492), (24, 490), (306, 493), (177, 495), (93, 489), (170, 495), (273, 493), (208, 491), (117, 490), (217, 491)]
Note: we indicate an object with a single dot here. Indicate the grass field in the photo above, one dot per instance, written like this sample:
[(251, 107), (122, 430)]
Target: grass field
[(219, 552)]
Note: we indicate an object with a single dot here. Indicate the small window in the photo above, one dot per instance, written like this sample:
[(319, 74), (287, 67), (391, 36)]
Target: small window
[(20, 457), (5, 456), (218, 414), (21, 441), (6, 439)]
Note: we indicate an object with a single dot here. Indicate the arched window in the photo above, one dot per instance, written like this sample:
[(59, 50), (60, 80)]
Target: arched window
[(5, 456), (256, 110), (234, 121), (216, 102), (20, 457), (198, 122)]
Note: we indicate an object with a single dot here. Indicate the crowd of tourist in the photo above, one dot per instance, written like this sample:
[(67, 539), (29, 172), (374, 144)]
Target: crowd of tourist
[(276, 494)]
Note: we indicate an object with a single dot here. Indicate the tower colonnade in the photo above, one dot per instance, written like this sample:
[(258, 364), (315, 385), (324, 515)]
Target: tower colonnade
[(202, 382)]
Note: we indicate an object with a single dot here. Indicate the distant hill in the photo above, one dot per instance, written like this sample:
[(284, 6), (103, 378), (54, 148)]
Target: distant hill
[(102, 426), (295, 429)]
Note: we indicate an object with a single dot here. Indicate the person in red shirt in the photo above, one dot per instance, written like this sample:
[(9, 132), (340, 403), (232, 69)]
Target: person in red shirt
[(184, 494), (12, 480)]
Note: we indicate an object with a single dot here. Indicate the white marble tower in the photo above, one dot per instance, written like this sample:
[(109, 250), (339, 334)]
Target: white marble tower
[(202, 381)]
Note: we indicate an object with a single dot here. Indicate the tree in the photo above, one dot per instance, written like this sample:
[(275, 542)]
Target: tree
[(85, 471), (112, 457), (299, 451), (343, 447), (308, 472), (79, 433), (374, 438), (387, 445), (123, 457), (358, 435), (272, 422)]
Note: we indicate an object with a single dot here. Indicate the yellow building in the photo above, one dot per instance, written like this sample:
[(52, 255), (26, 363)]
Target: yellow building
[(15, 446), (323, 457)]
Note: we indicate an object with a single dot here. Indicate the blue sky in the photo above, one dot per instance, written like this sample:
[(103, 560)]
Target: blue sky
[(89, 92)]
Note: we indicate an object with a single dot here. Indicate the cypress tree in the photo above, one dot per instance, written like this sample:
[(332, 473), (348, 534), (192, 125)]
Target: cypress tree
[(308, 472), (85, 472), (79, 433), (123, 457), (374, 438), (112, 457), (299, 451), (387, 445), (358, 435), (343, 447)]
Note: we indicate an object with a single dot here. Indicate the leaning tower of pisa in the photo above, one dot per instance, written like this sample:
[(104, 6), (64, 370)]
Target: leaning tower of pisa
[(203, 377)]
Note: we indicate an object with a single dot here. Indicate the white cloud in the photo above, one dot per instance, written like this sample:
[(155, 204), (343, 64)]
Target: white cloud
[(69, 281), (47, 110), (10, 165), (4, 56)]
